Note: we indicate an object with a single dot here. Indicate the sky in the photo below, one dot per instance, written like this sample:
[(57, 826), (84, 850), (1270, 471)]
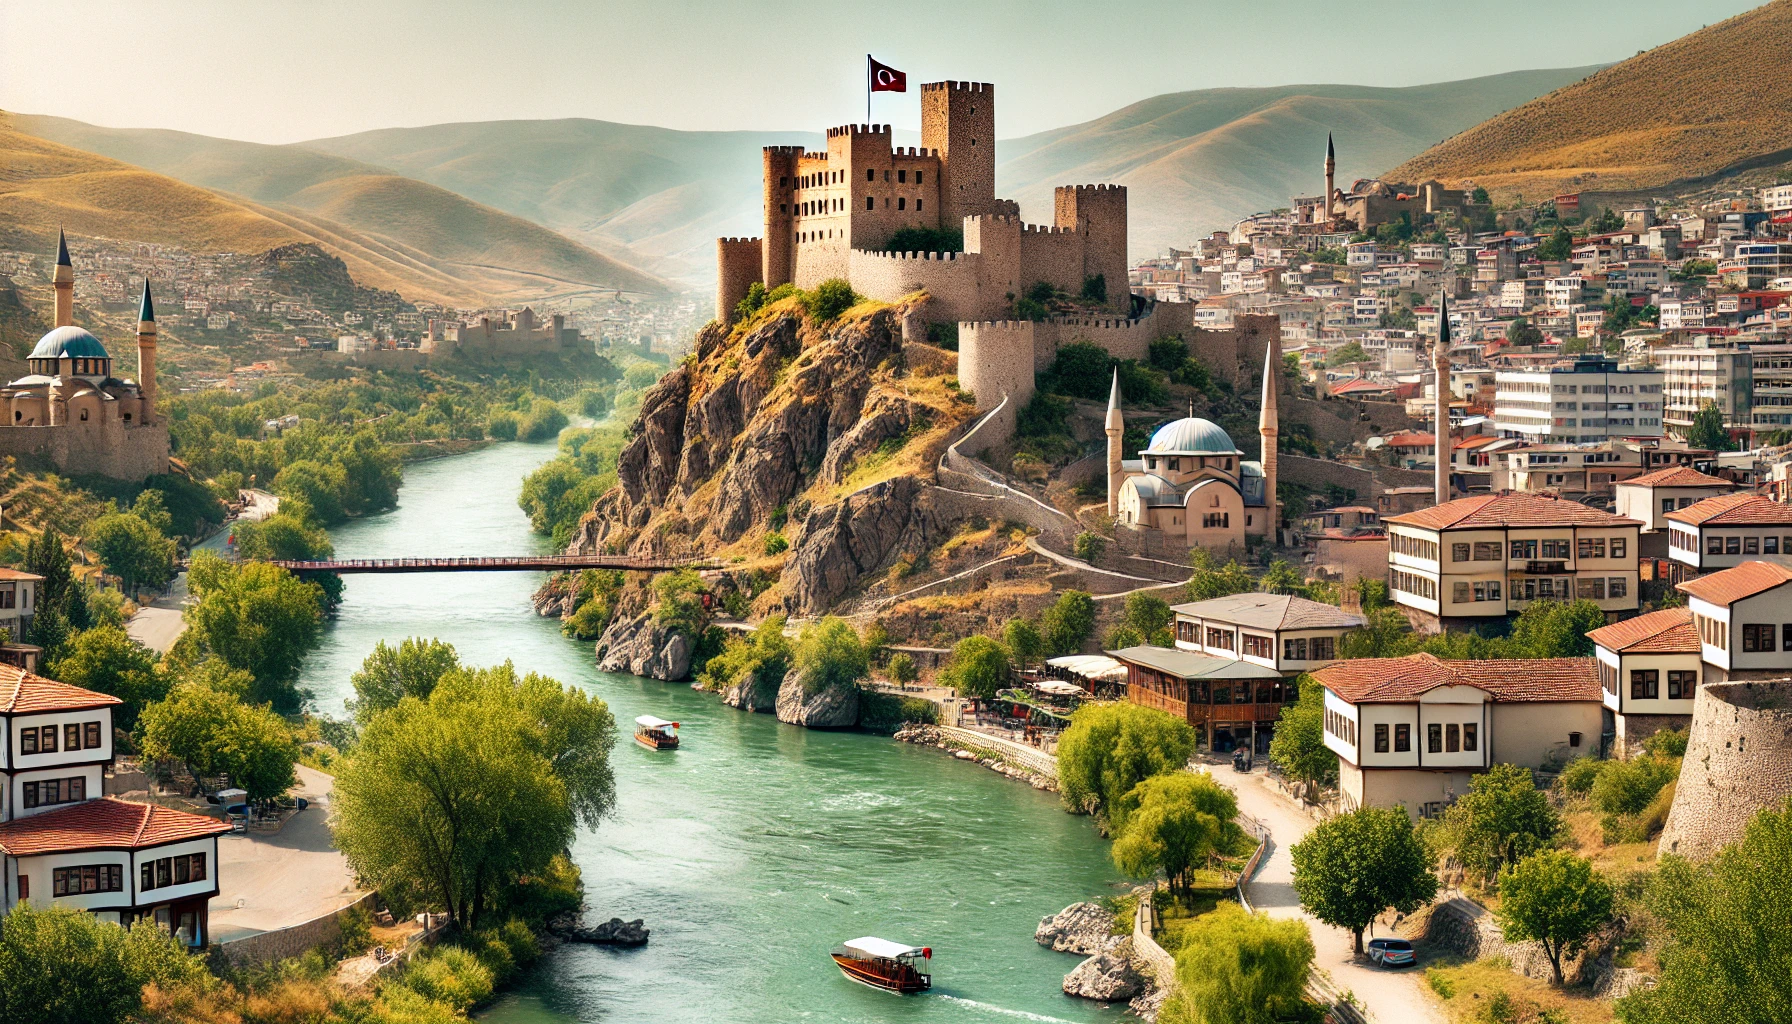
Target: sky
[(288, 70)]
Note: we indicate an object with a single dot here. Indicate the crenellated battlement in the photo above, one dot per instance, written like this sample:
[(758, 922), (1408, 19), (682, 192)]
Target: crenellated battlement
[(1045, 229), (1081, 189), (953, 86), (859, 129), (739, 241), (915, 151), (933, 257), (784, 150)]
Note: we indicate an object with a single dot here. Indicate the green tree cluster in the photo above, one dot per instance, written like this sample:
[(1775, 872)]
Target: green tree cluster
[(1352, 867), (978, 668), (1502, 818), (925, 239), (1110, 748), (1208, 580), (254, 617), (1068, 623), (1555, 899), (756, 663), (1175, 823), (106, 660), (66, 966), (1236, 967), (558, 493), (1298, 746), (1708, 430), (1349, 352), (830, 654), (1083, 369), (214, 733)]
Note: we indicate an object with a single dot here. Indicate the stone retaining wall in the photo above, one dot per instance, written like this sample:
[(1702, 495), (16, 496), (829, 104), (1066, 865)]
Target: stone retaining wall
[(1030, 758), (283, 943)]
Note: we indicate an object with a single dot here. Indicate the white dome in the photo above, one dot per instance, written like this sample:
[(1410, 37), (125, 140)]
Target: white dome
[(1191, 435)]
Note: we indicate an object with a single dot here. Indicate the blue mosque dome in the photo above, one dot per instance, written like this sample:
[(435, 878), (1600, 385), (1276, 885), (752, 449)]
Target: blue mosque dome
[(73, 342), (1191, 435)]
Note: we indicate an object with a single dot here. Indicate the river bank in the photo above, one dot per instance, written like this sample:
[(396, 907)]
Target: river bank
[(757, 846)]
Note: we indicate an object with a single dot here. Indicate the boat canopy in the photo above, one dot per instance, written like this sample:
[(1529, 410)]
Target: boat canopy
[(650, 722), (871, 946)]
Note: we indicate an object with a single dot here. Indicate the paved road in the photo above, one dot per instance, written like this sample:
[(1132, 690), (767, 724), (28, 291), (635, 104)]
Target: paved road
[(1392, 997), (273, 881)]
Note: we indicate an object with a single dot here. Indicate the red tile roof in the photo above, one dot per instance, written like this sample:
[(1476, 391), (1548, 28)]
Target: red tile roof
[(1669, 631), (1743, 509), (1677, 476), (1478, 441), (1411, 440), (23, 693), (14, 574), (1403, 680), (1515, 508), (1728, 586), (107, 823)]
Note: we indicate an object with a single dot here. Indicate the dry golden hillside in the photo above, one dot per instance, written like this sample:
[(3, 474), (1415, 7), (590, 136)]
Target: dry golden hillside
[(1715, 100), (393, 233)]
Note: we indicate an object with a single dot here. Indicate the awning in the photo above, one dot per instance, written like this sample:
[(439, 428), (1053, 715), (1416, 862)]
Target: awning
[(1189, 665), (871, 946), (650, 722), (1090, 666)]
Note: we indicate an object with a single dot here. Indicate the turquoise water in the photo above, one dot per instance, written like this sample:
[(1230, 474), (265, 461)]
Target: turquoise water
[(757, 846)]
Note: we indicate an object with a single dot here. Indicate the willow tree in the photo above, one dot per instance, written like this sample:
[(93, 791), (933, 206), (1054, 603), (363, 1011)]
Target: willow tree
[(1110, 748), (1175, 823)]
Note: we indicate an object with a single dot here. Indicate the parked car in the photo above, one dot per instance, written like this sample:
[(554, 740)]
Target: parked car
[(1391, 952)]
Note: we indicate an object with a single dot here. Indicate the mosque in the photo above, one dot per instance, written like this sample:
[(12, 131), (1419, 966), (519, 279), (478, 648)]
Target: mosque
[(1191, 486), (71, 411)]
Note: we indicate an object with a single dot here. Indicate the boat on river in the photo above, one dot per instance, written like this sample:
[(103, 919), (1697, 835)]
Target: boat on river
[(656, 733), (880, 963)]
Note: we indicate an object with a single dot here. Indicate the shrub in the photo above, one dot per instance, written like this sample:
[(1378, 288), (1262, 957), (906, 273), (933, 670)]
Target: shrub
[(524, 947), (980, 666), (887, 712), (1242, 968), (453, 975), (1089, 546), (1626, 787), (902, 669), (1578, 777), (775, 544), (1068, 622), (1667, 743), (830, 299), (502, 426), (923, 239), (1110, 748), (1095, 289), (829, 653)]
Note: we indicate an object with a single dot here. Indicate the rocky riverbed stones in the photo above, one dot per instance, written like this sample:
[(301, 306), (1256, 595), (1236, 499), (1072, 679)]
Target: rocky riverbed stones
[(614, 932), (932, 736), (641, 647), (1083, 928), (1109, 977)]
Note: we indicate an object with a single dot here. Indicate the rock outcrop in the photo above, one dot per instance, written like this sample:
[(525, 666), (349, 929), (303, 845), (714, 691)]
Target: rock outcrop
[(752, 695), (1084, 928), (842, 542), (614, 932), (836, 707), (640, 646), (1109, 977)]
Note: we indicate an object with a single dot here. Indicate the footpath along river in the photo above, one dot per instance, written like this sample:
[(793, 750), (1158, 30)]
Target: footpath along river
[(755, 848)]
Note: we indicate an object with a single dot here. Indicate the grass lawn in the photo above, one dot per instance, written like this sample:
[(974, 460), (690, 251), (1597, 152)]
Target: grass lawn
[(1487, 990), (1174, 918)]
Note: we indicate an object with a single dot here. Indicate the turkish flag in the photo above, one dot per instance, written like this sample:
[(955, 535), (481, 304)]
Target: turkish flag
[(885, 78)]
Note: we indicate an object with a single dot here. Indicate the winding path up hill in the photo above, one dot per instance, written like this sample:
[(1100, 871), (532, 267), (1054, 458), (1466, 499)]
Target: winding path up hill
[(1714, 101)]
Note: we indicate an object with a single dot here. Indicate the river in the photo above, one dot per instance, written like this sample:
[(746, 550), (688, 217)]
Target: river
[(757, 846)]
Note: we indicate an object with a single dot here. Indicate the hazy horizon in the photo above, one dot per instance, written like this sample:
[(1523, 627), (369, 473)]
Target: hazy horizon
[(209, 67)]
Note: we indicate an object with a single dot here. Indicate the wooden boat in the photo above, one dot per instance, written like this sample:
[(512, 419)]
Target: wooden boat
[(880, 963), (656, 733)]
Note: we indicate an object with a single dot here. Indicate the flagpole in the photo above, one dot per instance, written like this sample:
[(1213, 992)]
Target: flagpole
[(867, 90)]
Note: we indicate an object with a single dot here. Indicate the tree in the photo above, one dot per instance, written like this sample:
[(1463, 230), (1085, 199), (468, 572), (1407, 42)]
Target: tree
[(449, 802), (1523, 332), (979, 667), (1088, 546), (1174, 823), (66, 966), (390, 674), (253, 616), (901, 669), (45, 556), (214, 733), (680, 597), (1068, 622), (1556, 899), (1349, 352), (1284, 578), (1707, 430), (258, 751), (1729, 952), (1558, 247), (1298, 747), (758, 662), (829, 654), (1242, 968), (132, 550), (1110, 748), (1149, 614), (321, 486), (1352, 867), (283, 536), (106, 660), (1023, 640), (1555, 629), (1207, 582), (1502, 818), (830, 299)]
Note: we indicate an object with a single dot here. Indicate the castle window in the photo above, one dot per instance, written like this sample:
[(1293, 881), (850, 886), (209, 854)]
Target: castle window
[(870, 175), (917, 181), (901, 203), (870, 203), (886, 176), (783, 181), (783, 208), (83, 415), (886, 202), (902, 176), (973, 142), (917, 206)]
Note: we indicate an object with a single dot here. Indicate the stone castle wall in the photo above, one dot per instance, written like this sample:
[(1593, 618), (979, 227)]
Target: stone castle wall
[(952, 279), (106, 448), (1738, 762), (738, 264)]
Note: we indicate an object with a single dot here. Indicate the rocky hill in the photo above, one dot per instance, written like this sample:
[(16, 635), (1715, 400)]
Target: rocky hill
[(798, 451), (1690, 110)]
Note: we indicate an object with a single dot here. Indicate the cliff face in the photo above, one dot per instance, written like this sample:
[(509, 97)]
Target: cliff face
[(822, 431)]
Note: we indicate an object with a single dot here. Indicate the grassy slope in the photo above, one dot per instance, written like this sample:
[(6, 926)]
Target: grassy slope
[(1196, 161), (400, 228), (1705, 102)]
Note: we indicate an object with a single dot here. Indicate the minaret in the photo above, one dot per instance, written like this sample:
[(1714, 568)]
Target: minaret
[(1331, 169), (1440, 427), (146, 353), (1268, 428), (65, 283), (1116, 426)]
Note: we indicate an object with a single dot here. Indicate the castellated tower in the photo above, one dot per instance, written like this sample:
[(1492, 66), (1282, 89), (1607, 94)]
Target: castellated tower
[(958, 120), (778, 260), (1098, 212)]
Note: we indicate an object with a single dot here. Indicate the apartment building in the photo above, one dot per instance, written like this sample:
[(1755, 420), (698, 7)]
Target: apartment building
[(1589, 401), (1724, 531), (1481, 558), (1750, 382), (1572, 471)]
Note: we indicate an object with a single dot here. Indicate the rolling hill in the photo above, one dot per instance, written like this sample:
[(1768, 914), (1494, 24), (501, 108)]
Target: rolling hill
[(1706, 104), (394, 232), (1196, 161)]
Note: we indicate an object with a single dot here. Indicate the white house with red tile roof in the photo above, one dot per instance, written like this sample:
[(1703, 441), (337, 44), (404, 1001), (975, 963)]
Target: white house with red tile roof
[(1649, 672), (1414, 731), (61, 844), (1724, 531), (1743, 617), (1650, 497), (1491, 555)]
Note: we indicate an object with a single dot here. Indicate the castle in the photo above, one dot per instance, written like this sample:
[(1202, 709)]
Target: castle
[(71, 411), (1371, 202), (832, 214), (512, 337)]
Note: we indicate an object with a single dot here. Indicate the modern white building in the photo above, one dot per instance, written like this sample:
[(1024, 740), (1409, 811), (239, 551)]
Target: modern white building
[(1590, 401)]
